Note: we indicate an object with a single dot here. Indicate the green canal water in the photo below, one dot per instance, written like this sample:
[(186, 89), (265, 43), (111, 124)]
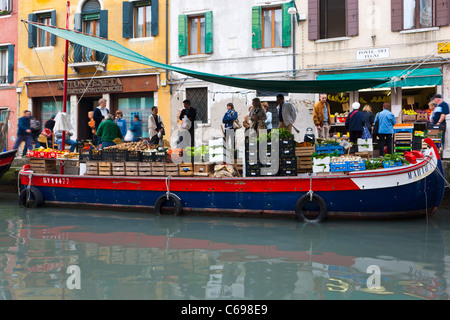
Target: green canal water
[(74, 254)]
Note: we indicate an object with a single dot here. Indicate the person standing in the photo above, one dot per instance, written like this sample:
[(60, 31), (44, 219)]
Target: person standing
[(268, 116), (440, 111), (121, 122), (286, 113), (24, 131), (355, 123), (99, 114), (229, 117), (368, 117), (136, 128), (91, 125), (386, 122), (191, 114), (108, 131), (48, 130), (321, 116), (257, 116), (155, 128)]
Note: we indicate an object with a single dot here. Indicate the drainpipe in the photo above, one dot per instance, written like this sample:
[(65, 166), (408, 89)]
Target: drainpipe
[(167, 41)]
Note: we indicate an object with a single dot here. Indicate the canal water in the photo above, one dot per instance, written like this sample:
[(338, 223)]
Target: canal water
[(74, 254)]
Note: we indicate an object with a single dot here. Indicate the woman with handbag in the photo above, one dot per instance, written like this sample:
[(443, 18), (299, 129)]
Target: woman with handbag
[(230, 117)]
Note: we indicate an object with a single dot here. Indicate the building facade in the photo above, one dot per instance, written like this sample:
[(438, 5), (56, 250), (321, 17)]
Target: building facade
[(8, 74), (127, 86)]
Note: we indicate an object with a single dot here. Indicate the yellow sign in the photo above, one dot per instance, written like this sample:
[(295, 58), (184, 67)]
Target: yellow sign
[(443, 47)]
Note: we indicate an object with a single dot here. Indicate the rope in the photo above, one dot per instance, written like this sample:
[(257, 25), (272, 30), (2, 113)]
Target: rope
[(168, 187), (310, 192)]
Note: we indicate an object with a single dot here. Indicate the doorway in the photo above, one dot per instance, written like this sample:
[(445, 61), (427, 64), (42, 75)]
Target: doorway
[(86, 104)]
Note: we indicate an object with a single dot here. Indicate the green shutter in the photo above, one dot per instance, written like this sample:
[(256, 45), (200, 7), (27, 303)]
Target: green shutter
[(32, 31), (127, 19), (286, 24), (182, 35), (155, 18), (10, 63), (53, 23), (256, 28), (209, 45)]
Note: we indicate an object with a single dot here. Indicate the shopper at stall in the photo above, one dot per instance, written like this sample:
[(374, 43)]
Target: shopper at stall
[(386, 122), (108, 131), (191, 114), (24, 131), (68, 141), (286, 113), (268, 115), (321, 117), (246, 122), (136, 128), (156, 128), (47, 132), (440, 111), (257, 116), (99, 115), (91, 125), (430, 110), (121, 122), (354, 123), (229, 117), (368, 117)]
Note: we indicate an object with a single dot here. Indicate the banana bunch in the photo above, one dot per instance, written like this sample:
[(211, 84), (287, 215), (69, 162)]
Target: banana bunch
[(410, 112)]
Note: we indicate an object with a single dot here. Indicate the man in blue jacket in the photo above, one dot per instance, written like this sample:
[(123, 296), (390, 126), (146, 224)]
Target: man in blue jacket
[(24, 131), (386, 122)]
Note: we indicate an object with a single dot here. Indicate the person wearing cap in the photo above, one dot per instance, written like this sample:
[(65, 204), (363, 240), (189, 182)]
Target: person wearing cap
[(355, 123), (386, 122), (440, 111)]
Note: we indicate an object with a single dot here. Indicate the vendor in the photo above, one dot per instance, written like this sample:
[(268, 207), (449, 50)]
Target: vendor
[(68, 141), (109, 131)]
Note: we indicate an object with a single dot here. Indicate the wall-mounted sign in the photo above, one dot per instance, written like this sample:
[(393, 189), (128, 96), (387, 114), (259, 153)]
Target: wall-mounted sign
[(80, 86), (443, 47), (369, 54)]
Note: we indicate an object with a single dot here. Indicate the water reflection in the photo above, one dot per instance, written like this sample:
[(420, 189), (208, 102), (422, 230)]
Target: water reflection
[(140, 256)]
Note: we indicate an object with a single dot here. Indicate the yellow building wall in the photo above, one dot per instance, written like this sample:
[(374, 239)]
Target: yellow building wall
[(48, 61)]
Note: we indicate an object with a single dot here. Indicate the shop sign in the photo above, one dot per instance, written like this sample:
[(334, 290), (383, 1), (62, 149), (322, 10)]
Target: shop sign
[(443, 47), (369, 54), (87, 86)]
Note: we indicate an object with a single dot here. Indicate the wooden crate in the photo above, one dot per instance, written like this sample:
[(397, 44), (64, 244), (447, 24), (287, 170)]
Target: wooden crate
[(186, 169), (145, 169), (43, 166), (171, 169), (104, 168), (92, 168), (131, 168), (118, 168), (158, 169), (203, 169), (304, 151), (403, 136), (363, 155)]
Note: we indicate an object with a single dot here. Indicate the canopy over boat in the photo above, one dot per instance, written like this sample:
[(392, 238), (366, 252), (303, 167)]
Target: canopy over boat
[(113, 48)]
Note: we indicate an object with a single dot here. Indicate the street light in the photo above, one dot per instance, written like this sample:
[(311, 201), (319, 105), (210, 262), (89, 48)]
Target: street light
[(293, 12)]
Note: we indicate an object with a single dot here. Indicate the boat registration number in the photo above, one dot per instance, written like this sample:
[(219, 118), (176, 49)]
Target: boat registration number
[(56, 181)]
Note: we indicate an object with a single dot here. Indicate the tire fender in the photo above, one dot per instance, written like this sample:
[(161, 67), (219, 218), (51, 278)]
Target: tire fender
[(305, 199), (32, 193), (172, 198)]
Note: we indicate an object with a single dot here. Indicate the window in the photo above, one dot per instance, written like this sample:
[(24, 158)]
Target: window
[(195, 34), (5, 6), (272, 28), (6, 64), (199, 101), (140, 19), (332, 19), (418, 14), (38, 37), (49, 108), (141, 106), (43, 39)]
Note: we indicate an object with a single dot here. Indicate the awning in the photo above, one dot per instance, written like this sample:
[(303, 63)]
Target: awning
[(418, 77), (113, 48)]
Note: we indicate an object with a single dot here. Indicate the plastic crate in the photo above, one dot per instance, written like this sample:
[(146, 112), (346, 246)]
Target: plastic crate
[(391, 164), (332, 148), (338, 167), (399, 130), (253, 172), (287, 152), (148, 157), (95, 154), (160, 157), (120, 155), (322, 149), (134, 156), (356, 165), (287, 143), (84, 155)]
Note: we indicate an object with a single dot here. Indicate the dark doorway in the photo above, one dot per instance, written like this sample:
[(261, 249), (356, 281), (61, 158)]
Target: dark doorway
[(86, 104)]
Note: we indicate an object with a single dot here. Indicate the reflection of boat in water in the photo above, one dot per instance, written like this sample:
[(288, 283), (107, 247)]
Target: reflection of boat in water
[(197, 257)]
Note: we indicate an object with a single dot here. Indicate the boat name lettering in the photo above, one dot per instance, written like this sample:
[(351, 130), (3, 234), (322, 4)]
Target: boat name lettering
[(56, 180), (419, 172)]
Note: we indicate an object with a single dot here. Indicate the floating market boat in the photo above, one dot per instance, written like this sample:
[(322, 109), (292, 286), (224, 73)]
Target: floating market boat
[(6, 158), (411, 190)]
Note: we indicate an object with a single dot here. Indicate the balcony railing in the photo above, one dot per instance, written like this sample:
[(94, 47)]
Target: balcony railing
[(3, 79), (83, 57)]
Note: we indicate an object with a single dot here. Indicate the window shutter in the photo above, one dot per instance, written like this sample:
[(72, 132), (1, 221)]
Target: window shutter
[(155, 18), (209, 44), (256, 27), (396, 15), (182, 35), (100, 56), (32, 31), (78, 26), (53, 23), (286, 24), (313, 20), (11, 63), (127, 19), (442, 13), (351, 11)]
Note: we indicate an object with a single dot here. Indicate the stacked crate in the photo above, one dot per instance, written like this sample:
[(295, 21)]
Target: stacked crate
[(118, 168), (92, 168), (288, 160), (304, 156), (435, 134), (403, 138), (203, 169), (171, 169), (158, 169), (104, 168), (131, 168), (145, 169), (43, 166), (252, 164)]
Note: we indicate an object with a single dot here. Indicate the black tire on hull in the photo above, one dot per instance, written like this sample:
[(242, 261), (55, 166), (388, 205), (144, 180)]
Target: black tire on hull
[(172, 198), (304, 200), (31, 198)]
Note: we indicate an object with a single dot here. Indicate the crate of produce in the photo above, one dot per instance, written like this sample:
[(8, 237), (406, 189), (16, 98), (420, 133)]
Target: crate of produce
[(160, 156), (104, 168), (43, 166), (95, 154), (287, 152), (84, 154), (335, 147), (321, 160), (422, 117), (289, 171), (148, 156), (403, 136), (287, 142), (338, 166), (171, 169), (134, 155), (203, 169), (409, 118), (118, 168), (322, 148), (131, 168), (145, 169), (398, 128), (158, 168), (253, 172), (120, 155), (321, 168), (433, 133), (356, 165), (92, 168), (289, 162), (186, 169), (403, 142), (391, 164), (108, 155), (304, 151)]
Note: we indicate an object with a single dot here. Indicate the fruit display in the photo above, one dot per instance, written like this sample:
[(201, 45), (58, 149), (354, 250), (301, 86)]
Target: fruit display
[(130, 146), (410, 112), (50, 153)]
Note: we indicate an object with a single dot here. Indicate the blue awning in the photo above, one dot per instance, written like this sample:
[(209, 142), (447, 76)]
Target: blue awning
[(418, 77)]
